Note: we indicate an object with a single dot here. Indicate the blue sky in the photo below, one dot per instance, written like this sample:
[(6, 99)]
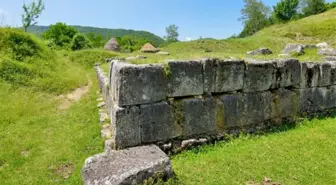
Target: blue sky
[(195, 18)]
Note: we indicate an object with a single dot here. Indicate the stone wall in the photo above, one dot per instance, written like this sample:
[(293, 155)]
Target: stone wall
[(195, 100)]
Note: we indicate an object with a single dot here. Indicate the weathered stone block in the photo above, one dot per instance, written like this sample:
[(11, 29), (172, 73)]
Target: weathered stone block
[(129, 166), (209, 75), (258, 76), (310, 73), (257, 107), (199, 116), (333, 72), (229, 76), (311, 99), (233, 110), (285, 104), (330, 100), (138, 84), (125, 126), (185, 78), (157, 122), (325, 74), (287, 73)]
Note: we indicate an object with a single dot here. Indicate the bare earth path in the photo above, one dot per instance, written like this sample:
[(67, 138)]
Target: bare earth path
[(74, 96)]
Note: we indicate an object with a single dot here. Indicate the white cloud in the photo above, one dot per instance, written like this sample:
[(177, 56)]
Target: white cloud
[(188, 39)]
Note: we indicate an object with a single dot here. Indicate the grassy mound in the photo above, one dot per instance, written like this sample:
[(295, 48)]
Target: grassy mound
[(26, 62), (89, 57), (310, 30)]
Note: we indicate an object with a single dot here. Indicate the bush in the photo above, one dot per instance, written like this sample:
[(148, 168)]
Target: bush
[(60, 35), (79, 42)]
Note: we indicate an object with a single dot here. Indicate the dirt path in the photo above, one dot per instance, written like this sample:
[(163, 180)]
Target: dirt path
[(74, 96)]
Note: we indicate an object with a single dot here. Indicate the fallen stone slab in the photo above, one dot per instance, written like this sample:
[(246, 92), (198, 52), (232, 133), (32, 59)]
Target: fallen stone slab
[(330, 58), (129, 166), (260, 51), (294, 48), (162, 53), (327, 51), (322, 45)]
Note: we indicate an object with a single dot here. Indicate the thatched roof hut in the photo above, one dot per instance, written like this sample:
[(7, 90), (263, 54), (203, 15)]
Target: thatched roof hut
[(149, 48), (112, 45)]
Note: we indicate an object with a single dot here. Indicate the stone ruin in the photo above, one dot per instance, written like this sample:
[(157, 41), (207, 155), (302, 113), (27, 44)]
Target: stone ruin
[(182, 103)]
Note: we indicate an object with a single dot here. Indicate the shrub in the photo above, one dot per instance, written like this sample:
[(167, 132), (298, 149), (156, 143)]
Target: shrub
[(60, 34), (79, 42)]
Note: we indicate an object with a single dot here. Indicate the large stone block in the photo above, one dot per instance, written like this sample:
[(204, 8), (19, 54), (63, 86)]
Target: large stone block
[(330, 100), (199, 116), (157, 122), (185, 78), (129, 166), (209, 75), (258, 76), (125, 126), (229, 76), (257, 107), (325, 74), (285, 104), (310, 73), (287, 73), (233, 110), (333, 72), (138, 84), (311, 99)]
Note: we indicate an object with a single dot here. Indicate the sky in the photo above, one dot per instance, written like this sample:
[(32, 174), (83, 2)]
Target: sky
[(195, 18)]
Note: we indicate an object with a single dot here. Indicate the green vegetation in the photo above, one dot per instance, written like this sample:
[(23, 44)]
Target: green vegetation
[(285, 10), (172, 33), (130, 43), (88, 58), (80, 41), (26, 62), (40, 143), (106, 33), (60, 35), (304, 155)]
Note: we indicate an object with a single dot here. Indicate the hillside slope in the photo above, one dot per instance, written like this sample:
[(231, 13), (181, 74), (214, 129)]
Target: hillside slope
[(106, 32), (310, 30)]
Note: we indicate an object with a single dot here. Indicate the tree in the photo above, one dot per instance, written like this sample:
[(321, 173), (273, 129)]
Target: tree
[(285, 10), (254, 17), (80, 41), (172, 33), (130, 43), (312, 7), (31, 12), (60, 34), (97, 41)]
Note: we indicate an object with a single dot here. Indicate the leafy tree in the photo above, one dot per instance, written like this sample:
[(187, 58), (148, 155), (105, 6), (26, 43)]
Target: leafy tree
[(285, 10), (130, 43), (60, 34), (172, 33), (312, 7), (254, 17), (97, 41), (80, 41), (331, 5), (31, 12)]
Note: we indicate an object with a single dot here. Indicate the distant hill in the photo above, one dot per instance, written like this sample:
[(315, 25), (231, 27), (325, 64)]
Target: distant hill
[(106, 32)]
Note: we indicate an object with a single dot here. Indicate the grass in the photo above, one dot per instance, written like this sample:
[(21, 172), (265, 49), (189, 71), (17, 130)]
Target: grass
[(304, 155), (39, 143)]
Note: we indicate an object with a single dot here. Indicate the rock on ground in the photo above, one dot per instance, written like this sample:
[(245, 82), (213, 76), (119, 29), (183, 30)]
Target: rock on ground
[(162, 53), (260, 51), (294, 48), (129, 166), (322, 45), (327, 51)]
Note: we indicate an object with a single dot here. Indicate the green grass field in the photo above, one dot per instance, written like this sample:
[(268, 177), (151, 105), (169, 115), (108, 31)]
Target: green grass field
[(43, 144), (304, 155)]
